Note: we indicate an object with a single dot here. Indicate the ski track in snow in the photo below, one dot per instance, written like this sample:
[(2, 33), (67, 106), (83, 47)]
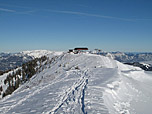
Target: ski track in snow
[(74, 96)]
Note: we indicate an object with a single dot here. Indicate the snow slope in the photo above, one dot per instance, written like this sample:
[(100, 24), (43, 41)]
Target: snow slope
[(83, 84)]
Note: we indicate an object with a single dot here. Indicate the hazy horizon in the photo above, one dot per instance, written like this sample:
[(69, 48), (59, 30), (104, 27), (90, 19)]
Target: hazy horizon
[(7, 51)]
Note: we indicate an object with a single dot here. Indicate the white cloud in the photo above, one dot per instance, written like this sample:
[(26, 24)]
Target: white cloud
[(94, 15), (7, 10), (29, 12)]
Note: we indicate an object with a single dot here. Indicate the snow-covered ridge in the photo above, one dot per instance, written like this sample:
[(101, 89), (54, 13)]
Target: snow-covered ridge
[(40, 53), (83, 84)]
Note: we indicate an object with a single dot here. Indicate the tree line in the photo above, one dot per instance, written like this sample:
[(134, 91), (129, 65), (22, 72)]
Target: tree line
[(21, 75)]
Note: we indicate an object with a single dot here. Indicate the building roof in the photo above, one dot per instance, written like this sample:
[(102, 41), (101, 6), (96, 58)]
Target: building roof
[(81, 48)]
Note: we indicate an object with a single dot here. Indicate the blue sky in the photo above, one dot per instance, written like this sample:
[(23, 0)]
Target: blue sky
[(111, 25)]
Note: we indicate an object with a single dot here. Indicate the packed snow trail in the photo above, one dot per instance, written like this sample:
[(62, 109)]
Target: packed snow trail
[(83, 84), (73, 98)]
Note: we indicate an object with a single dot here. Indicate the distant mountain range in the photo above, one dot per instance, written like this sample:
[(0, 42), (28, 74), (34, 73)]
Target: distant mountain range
[(128, 57), (12, 60)]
